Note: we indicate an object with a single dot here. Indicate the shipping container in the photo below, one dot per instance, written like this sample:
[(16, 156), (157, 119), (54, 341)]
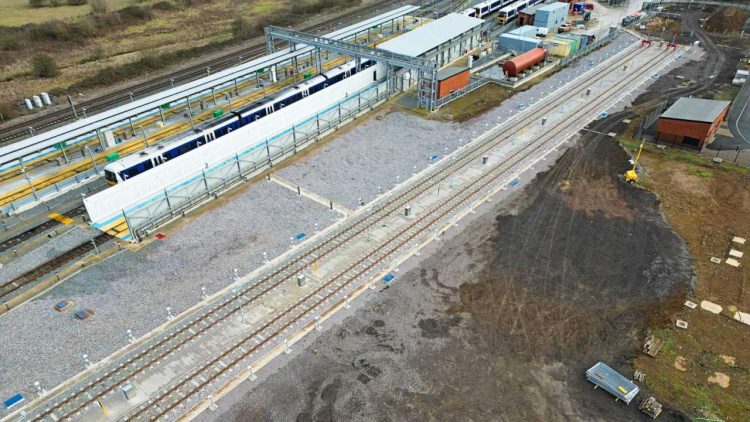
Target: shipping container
[(451, 79), (574, 39), (552, 15), (518, 44), (559, 47), (611, 381)]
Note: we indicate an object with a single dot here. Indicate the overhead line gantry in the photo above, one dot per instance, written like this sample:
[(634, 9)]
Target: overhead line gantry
[(427, 70)]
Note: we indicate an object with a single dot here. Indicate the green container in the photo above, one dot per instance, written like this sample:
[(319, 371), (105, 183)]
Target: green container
[(60, 145), (308, 75), (218, 113), (166, 106), (113, 157)]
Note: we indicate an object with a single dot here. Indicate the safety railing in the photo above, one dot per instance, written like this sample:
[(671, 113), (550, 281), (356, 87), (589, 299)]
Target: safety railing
[(196, 188), (474, 84)]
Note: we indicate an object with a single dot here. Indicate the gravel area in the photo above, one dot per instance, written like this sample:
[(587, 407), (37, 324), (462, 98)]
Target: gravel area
[(131, 290), (392, 145), (499, 320), (45, 252)]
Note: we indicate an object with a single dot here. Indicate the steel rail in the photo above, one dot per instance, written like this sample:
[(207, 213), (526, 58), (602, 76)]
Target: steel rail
[(445, 207), (315, 248)]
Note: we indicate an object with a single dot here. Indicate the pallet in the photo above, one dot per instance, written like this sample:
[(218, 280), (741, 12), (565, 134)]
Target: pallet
[(650, 407), (652, 346)]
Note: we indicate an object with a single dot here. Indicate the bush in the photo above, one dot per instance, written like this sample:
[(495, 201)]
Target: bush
[(10, 41), (36, 3), (44, 66), (77, 2), (98, 6), (243, 29), (136, 13), (164, 5)]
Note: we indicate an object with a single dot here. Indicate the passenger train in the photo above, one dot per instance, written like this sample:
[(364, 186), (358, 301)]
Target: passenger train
[(509, 12), (485, 8), (135, 164)]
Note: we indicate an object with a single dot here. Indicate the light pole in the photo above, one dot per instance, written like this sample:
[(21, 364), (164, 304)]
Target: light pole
[(145, 138)]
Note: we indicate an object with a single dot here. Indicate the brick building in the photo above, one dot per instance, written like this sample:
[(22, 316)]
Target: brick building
[(691, 121)]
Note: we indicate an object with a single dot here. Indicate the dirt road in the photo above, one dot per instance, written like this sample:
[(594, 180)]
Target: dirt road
[(500, 321)]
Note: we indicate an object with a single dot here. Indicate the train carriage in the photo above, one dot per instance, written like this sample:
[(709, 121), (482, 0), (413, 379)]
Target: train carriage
[(135, 164), (509, 12)]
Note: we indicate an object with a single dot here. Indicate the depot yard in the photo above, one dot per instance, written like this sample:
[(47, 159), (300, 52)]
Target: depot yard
[(235, 234), (496, 318)]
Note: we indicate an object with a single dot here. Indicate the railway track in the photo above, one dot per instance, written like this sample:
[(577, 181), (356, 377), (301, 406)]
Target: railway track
[(161, 405), (12, 286), (104, 381), (12, 132), (37, 230)]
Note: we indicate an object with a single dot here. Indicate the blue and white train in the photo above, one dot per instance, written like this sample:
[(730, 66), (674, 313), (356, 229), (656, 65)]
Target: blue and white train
[(486, 8), (509, 12), (135, 164)]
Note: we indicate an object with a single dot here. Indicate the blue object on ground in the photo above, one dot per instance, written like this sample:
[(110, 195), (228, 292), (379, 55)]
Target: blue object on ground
[(388, 278), (515, 182), (18, 398), (299, 236)]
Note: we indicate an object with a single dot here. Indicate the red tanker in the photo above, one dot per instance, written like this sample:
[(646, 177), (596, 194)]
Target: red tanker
[(524, 61)]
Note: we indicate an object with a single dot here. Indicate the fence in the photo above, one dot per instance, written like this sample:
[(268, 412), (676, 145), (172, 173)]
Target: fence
[(475, 83), (611, 35), (196, 188)]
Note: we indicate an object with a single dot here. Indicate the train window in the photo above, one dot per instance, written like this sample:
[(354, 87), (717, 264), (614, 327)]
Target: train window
[(128, 173), (110, 176), (374, 75)]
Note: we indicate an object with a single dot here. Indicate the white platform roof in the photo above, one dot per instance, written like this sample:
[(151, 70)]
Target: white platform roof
[(430, 35), (106, 118)]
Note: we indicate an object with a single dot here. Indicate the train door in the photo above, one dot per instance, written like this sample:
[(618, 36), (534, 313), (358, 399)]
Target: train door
[(209, 135), (269, 109)]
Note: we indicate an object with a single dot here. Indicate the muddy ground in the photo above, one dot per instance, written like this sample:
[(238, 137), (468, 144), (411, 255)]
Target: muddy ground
[(501, 321)]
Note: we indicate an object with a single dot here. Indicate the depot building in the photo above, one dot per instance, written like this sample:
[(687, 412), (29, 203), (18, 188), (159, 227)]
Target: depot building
[(691, 121)]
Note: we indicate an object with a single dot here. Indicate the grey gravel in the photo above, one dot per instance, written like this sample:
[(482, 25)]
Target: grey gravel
[(45, 252), (131, 290), (391, 146)]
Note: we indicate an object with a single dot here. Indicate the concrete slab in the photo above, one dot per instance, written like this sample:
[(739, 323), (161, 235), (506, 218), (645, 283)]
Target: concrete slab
[(735, 253), (742, 317), (711, 307), (738, 240), (733, 262)]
